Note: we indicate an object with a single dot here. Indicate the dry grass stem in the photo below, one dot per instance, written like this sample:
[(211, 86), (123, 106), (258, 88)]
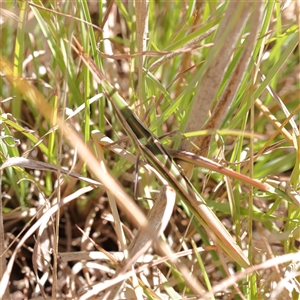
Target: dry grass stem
[(228, 34), (223, 105), (142, 23), (209, 86)]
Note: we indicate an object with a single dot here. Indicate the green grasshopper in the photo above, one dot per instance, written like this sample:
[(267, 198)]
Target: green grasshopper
[(157, 156)]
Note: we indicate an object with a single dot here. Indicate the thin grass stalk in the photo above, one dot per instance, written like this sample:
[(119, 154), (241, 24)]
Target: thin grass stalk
[(19, 57), (19, 53), (51, 144), (100, 46), (237, 157), (5, 294), (87, 36), (60, 105), (202, 267), (252, 290), (142, 19)]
